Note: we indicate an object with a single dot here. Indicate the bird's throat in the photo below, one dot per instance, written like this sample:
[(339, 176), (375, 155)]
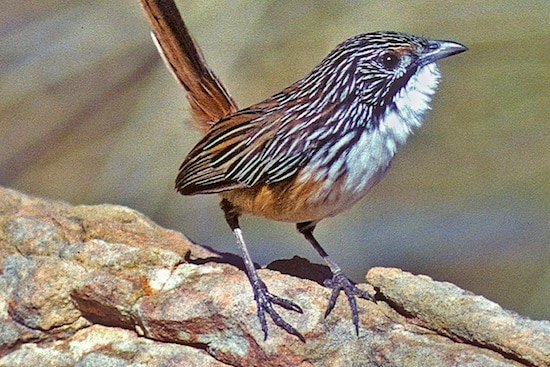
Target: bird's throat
[(409, 106)]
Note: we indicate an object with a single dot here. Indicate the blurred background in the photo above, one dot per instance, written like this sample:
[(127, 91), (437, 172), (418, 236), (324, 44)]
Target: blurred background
[(89, 114)]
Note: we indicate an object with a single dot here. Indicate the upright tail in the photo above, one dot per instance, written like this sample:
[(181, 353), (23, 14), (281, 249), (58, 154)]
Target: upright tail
[(207, 96)]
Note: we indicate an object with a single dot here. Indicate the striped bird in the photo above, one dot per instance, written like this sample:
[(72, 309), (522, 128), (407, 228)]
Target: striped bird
[(310, 151)]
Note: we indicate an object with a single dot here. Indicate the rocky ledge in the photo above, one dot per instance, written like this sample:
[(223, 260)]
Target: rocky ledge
[(105, 286)]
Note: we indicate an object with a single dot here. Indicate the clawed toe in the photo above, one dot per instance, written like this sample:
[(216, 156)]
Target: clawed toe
[(265, 301), (340, 282)]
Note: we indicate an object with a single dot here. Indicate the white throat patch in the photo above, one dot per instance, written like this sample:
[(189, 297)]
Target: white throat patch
[(411, 102)]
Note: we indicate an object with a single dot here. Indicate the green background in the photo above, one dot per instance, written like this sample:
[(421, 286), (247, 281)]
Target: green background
[(90, 115)]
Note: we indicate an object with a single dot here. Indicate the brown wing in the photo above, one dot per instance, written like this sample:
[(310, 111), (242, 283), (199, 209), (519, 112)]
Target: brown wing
[(246, 148)]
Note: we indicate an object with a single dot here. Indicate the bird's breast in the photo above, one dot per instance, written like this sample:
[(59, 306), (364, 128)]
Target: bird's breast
[(350, 174)]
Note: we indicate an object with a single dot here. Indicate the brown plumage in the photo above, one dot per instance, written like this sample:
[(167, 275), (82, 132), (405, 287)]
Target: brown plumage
[(208, 98), (310, 151)]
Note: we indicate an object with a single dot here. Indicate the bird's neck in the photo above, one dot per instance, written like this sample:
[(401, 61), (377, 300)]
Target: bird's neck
[(409, 106)]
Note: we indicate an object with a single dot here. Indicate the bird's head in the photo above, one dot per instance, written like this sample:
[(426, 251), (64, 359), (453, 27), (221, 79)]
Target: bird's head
[(376, 68), (387, 61)]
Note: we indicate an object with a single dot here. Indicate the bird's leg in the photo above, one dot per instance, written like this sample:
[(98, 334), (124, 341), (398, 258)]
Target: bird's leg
[(264, 299), (339, 280)]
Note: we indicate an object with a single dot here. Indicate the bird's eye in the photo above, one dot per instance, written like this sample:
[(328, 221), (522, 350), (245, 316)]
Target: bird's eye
[(389, 60)]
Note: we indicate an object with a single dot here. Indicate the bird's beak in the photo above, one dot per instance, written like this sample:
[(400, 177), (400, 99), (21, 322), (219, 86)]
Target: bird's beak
[(438, 49)]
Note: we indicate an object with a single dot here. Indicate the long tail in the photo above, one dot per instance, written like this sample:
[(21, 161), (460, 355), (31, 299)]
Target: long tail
[(207, 96)]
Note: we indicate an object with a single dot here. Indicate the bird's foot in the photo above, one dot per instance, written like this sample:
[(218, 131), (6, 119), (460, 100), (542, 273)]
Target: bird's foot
[(265, 302), (340, 282)]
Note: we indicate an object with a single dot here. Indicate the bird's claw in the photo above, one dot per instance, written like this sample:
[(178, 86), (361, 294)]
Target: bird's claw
[(340, 282), (265, 301)]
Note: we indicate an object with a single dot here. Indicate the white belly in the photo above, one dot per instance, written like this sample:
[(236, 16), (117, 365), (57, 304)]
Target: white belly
[(350, 176)]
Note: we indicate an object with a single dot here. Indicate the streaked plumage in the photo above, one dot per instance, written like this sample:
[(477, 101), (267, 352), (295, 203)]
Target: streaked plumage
[(334, 132), (308, 152)]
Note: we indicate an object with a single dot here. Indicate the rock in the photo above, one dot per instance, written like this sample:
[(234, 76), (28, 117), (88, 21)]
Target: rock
[(464, 317), (103, 285)]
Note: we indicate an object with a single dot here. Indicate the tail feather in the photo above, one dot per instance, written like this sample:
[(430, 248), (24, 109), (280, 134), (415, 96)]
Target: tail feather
[(209, 99)]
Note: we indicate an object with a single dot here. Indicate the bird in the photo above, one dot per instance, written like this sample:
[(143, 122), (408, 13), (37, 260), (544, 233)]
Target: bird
[(310, 151)]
